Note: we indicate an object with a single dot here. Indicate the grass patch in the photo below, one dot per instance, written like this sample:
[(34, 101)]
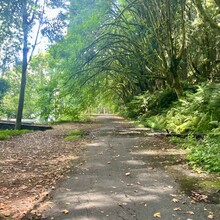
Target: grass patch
[(75, 135), (5, 134), (210, 184)]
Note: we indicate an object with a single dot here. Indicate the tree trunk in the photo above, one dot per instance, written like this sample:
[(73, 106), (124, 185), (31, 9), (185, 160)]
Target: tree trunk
[(175, 79), (177, 87), (24, 67)]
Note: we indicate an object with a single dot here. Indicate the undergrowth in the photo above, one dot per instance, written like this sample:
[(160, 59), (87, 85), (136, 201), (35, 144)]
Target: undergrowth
[(5, 134), (74, 135), (203, 154), (197, 112)]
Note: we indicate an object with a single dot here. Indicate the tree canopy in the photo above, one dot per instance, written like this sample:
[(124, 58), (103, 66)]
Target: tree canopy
[(112, 52), (154, 61)]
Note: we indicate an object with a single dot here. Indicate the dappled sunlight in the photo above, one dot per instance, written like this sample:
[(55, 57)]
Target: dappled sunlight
[(123, 198), (96, 199), (134, 162), (81, 202), (96, 144), (157, 190), (159, 152)]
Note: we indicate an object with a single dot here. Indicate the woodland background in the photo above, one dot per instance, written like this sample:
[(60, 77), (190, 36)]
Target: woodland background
[(155, 62)]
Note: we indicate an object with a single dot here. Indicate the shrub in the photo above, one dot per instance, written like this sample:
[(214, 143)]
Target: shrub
[(206, 154), (203, 154), (196, 112), (147, 104), (157, 122)]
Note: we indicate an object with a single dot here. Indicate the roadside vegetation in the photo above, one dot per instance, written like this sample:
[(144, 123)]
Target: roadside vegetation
[(75, 135), (195, 115), (5, 134)]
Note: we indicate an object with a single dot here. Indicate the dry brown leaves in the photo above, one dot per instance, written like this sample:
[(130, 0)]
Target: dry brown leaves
[(31, 165)]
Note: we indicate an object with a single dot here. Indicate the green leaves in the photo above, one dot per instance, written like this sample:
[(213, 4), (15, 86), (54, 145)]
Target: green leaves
[(206, 154), (4, 87)]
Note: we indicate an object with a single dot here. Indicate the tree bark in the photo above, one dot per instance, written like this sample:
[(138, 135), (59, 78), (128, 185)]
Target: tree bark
[(24, 65)]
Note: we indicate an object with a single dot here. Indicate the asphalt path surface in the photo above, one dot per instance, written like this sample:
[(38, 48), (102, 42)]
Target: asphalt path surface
[(118, 180)]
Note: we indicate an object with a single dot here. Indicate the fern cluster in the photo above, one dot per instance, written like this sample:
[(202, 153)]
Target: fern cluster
[(198, 111)]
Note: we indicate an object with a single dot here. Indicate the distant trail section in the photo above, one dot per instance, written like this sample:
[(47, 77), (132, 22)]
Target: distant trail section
[(123, 176)]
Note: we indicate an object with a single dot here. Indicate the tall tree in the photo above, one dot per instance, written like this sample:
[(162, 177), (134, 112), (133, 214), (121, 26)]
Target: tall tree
[(24, 16), (70, 54)]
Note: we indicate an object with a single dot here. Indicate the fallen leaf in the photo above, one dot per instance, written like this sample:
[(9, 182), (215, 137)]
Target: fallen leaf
[(157, 215), (190, 212), (175, 200), (193, 202), (211, 216), (177, 209), (65, 211), (173, 195)]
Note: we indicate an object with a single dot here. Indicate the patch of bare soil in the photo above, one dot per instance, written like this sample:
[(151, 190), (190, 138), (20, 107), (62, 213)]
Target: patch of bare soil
[(32, 164)]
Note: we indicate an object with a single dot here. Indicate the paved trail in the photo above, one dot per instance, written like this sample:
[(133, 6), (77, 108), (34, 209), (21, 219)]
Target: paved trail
[(118, 181)]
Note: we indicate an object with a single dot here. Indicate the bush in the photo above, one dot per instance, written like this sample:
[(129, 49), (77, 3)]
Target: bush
[(147, 104), (206, 154), (202, 154), (157, 122), (196, 112)]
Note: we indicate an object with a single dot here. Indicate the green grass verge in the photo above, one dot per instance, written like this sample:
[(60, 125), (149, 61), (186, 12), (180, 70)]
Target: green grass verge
[(75, 135), (5, 134)]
